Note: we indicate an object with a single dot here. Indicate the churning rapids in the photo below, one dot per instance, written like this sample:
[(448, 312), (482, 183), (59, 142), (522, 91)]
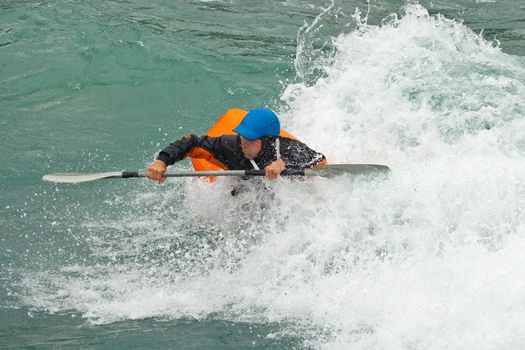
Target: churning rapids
[(431, 257)]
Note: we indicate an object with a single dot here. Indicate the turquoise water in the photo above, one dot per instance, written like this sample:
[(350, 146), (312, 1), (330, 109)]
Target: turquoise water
[(431, 258)]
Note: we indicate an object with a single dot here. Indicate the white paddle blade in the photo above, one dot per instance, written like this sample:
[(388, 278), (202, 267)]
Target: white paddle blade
[(332, 170), (74, 178)]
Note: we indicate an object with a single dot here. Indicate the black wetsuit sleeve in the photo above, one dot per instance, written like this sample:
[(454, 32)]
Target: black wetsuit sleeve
[(190, 145), (297, 155)]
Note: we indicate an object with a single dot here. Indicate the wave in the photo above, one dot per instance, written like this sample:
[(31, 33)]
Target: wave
[(429, 258)]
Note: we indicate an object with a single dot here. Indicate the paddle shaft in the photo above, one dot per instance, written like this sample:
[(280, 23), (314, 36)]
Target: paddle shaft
[(301, 172)]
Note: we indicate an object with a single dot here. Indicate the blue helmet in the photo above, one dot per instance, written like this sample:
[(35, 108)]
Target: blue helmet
[(259, 123)]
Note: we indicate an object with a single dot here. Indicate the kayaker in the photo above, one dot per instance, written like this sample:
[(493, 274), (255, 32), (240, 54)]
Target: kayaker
[(257, 146)]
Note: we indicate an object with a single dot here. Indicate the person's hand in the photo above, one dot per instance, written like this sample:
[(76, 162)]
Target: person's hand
[(275, 169), (156, 171)]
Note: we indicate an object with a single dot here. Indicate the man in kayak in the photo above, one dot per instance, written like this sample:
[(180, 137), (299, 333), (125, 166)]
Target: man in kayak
[(257, 146)]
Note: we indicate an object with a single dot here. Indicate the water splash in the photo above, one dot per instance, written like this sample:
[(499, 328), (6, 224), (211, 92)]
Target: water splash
[(430, 258)]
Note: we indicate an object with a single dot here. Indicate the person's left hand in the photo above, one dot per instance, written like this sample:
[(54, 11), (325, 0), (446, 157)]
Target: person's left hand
[(275, 169)]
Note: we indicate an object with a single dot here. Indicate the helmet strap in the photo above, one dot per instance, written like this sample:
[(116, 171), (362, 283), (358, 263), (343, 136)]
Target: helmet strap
[(255, 166)]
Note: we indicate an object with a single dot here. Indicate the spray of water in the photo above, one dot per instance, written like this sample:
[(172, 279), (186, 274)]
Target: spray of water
[(431, 257)]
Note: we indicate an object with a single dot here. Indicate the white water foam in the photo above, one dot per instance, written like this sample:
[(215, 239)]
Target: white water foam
[(430, 258)]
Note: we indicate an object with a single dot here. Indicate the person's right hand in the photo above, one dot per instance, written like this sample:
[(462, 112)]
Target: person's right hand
[(156, 171)]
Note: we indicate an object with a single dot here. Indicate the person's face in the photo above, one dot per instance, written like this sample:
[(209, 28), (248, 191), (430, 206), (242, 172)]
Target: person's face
[(251, 148)]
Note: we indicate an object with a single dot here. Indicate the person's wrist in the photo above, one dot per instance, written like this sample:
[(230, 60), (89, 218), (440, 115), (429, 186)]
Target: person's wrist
[(160, 162), (283, 166)]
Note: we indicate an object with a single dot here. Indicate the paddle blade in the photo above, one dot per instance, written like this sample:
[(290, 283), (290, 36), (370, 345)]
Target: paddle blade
[(74, 178), (346, 169)]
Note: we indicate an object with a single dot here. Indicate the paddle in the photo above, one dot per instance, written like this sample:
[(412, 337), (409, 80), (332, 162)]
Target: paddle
[(326, 171)]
